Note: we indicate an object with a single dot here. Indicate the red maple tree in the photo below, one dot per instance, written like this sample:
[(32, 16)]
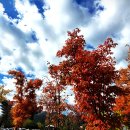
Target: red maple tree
[(54, 103), (25, 98), (92, 75)]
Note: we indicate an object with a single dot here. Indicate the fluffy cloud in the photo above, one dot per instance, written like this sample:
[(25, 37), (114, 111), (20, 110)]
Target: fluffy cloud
[(15, 47), (111, 22)]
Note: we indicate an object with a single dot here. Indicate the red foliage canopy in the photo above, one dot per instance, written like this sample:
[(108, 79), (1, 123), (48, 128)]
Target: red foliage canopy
[(92, 74)]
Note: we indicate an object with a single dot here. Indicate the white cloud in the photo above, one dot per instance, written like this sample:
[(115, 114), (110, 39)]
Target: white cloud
[(71, 97), (1, 9), (14, 50), (9, 84)]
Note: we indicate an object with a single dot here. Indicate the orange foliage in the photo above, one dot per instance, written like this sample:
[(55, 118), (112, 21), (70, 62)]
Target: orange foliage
[(25, 98), (122, 105)]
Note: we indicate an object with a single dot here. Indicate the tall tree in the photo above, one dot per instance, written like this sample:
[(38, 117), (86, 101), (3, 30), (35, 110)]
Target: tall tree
[(122, 106), (92, 75), (25, 98)]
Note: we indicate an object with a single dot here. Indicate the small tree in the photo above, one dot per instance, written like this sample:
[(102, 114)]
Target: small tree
[(25, 98), (122, 106), (53, 102)]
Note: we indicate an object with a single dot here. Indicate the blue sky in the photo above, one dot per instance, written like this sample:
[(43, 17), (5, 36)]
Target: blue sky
[(32, 31)]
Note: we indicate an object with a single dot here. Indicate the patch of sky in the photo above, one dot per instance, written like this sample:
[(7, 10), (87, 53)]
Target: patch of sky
[(34, 37), (20, 69), (31, 76), (100, 8), (10, 10), (66, 112), (11, 23), (2, 76), (14, 22), (28, 75), (90, 4), (116, 35), (88, 46), (39, 4)]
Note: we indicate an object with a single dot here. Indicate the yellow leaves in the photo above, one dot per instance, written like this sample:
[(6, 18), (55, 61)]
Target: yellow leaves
[(3, 93)]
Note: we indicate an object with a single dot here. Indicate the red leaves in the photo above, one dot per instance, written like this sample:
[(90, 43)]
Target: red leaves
[(74, 43), (37, 83), (19, 76), (91, 73), (16, 74), (34, 84), (97, 125)]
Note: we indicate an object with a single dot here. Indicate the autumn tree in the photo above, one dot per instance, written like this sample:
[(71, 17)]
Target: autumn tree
[(25, 98), (73, 119), (92, 75), (54, 103), (122, 106)]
